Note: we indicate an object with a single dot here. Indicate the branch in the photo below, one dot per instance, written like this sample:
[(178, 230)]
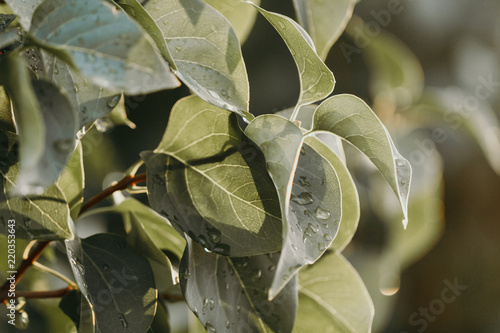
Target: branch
[(37, 251), (44, 294), (120, 186)]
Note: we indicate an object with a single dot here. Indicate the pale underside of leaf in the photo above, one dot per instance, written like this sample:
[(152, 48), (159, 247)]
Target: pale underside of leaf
[(205, 50), (350, 118)]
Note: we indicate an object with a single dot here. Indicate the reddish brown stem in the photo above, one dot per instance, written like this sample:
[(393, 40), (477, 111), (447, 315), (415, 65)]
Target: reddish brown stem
[(121, 185), (44, 294), (37, 251)]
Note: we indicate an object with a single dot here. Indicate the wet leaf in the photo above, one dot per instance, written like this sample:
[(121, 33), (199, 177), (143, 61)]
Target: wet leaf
[(138, 13), (350, 118), (117, 281), (6, 19), (115, 53), (350, 199), (230, 294), (42, 217), (205, 49), (90, 101), (324, 20), (333, 296), (311, 207), (241, 16), (210, 181), (161, 322), (316, 80)]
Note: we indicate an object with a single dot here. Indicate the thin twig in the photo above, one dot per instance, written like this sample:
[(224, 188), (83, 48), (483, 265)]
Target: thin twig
[(44, 294), (37, 251)]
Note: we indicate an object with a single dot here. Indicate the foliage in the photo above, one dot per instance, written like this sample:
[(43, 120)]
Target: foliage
[(247, 216)]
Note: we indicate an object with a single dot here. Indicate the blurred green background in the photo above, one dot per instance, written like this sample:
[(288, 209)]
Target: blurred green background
[(457, 42)]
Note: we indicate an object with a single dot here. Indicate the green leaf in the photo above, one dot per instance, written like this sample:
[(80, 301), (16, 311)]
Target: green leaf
[(91, 101), (161, 323), (230, 294), (324, 20), (117, 281), (118, 116), (114, 52), (241, 16), (60, 127), (311, 209), (16, 79), (316, 80), (350, 199), (205, 50), (72, 181), (148, 232), (138, 13), (24, 9), (42, 217), (211, 182), (9, 37), (6, 121), (333, 296), (350, 118)]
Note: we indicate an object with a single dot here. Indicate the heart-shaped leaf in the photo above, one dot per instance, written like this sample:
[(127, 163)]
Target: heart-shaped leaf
[(350, 118), (106, 45), (205, 50), (211, 182), (230, 294)]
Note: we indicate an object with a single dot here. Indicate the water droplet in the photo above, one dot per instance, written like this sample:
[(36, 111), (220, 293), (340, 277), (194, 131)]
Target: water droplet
[(313, 227), (105, 267), (64, 146), (307, 213), (103, 124), (213, 94), (81, 268), (75, 88), (186, 274), (271, 268), (257, 275), (327, 237), (73, 262), (213, 27), (321, 246), (123, 320), (223, 92), (209, 328), (114, 101), (81, 133), (238, 308), (302, 151), (214, 235), (304, 198), (227, 286), (303, 181), (400, 162), (403, 181), (178, 48), (322, 213), (228, 324)]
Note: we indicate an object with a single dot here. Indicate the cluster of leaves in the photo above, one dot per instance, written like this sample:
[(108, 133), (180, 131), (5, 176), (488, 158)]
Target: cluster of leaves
[(237, 211)]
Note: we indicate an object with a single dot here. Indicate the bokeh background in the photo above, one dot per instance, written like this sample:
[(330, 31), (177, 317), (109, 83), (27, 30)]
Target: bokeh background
[(457, 42)]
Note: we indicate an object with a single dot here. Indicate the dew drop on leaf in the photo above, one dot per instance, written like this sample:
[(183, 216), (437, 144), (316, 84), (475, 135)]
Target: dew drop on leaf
[(303, 181), (210, 328), (214, 235), (328, 238), (114, 101), (322, 213), (185, 274), (304, 198), (257, 275), (105, 267)]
